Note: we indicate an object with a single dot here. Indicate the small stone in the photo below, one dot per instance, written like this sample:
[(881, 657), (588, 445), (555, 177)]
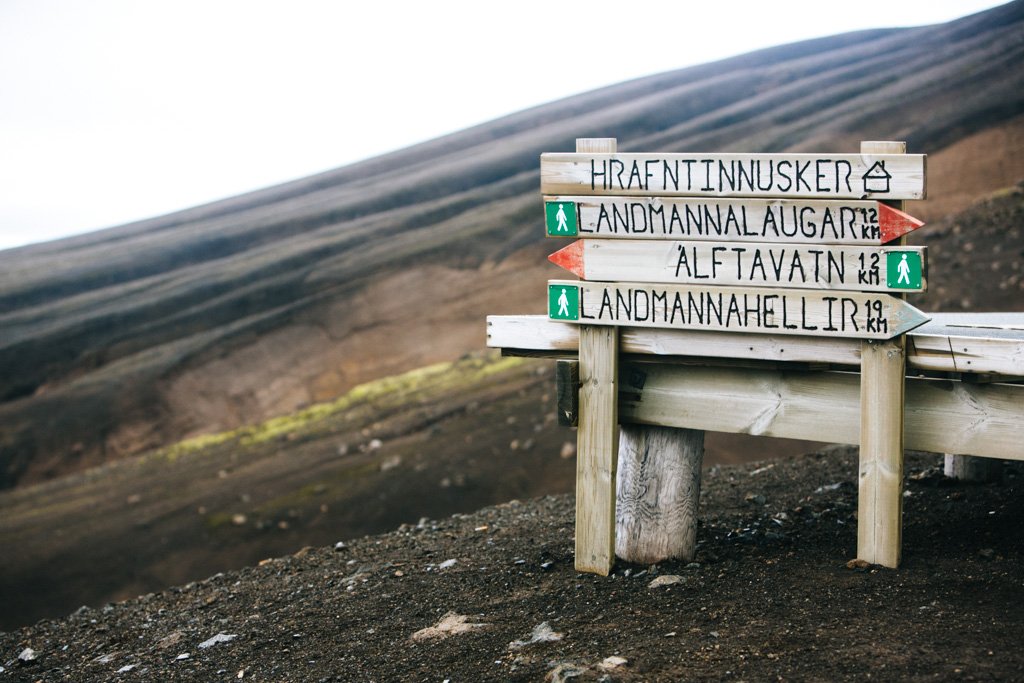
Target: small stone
[(568, 450), (563, 672), (987, 553), (451, 624), (340, 545), (219, 638), (239, 519), (182, 657), (858, 564), (542, 633), (447, 564), (755, 499), (126, 668), (610, 663), (665, 580), (27, 656), (547, 565)]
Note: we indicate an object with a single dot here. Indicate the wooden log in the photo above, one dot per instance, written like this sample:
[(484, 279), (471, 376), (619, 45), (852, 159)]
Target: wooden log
[(970, 468), (658, 492), (598, 434)]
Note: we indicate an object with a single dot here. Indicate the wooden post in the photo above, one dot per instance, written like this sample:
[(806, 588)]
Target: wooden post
[(597, 438), (970, 468), (658, 491), (880, 490)]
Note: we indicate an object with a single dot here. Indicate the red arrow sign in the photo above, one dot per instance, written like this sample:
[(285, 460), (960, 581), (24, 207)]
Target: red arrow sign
[(894, 224)]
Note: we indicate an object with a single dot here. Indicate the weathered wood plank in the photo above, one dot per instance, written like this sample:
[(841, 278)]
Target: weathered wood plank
[(804, 221), (926, 350), (658, 492), (882, 390), (732, 309), (537, 332), (597, 438), (596, 450), (880, 480), (826, 176), (941, 416), (756, 264)]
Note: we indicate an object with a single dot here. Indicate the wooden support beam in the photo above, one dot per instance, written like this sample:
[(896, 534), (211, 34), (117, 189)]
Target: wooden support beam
[(567, 392), (658, 492), (880, 489), (880, 482), (597, 439), (937, 346), (942, 416)]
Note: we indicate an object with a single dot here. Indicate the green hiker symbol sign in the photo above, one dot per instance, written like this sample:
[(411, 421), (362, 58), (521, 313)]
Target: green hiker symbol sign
[(903, 269), (563, 302), (561, 218)]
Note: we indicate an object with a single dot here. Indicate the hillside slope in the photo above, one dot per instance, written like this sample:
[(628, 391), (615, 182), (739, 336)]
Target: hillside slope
[(444, 439), (228, 313), (770, 597)]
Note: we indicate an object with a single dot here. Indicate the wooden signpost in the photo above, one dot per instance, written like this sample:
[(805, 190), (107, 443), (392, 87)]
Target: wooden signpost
[(824, 176), (874, 269), (735, 220), (716, 244), (732, 309)]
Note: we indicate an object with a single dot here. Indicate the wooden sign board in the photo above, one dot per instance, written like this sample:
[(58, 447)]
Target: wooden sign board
[(778, 311), (752, 264), (835, 176), (734, 220)]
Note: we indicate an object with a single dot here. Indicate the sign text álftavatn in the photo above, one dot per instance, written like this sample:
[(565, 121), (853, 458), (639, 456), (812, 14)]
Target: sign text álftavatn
[(749, 264)]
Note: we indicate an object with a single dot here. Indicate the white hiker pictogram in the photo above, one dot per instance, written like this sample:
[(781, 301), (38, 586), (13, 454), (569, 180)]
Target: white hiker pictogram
[(904, 270), (563, 304), (563, 225)]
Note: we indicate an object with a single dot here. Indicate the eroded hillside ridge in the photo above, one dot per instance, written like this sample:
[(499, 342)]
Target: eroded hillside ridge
[(226, 314)]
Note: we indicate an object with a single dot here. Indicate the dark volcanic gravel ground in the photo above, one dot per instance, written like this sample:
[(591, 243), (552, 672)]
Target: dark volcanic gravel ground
[(770, 597)]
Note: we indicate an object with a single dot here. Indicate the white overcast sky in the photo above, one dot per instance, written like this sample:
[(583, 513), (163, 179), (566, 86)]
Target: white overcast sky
[(117, 110)]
